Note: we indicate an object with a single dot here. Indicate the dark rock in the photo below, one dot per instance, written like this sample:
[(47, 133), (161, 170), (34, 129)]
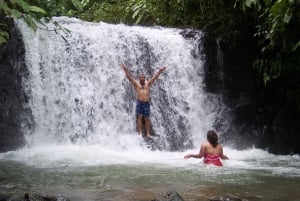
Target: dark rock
[(225, 199), (26, 197), (4, 197), (170, 195), (37, 197), (213, 65), (13, 69), (264, 116)]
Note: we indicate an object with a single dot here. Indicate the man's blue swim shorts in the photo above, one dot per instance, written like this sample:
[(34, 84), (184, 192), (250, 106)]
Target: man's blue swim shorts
[(142, 108)]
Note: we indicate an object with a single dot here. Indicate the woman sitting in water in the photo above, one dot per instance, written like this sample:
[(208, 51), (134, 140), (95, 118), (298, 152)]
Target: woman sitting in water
[(211, 150)]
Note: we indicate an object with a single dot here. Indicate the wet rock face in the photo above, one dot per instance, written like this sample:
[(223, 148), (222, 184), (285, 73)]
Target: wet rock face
[(34, 197), (12, 69), (257, 115), (225, 199), (170, 195), (254, 114)]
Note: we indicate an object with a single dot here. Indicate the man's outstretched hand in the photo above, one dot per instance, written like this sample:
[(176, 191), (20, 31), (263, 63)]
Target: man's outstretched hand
[(123, 67), (162, 69)]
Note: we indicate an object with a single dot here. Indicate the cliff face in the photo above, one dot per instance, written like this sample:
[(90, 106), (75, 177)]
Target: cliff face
[(264, 116), (13, 68)]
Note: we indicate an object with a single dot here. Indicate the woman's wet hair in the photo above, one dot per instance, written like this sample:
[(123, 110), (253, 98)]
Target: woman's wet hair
[(212, 138)]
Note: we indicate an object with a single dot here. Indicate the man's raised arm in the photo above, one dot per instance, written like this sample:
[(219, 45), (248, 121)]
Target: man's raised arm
[(156, 75), (128, 74)]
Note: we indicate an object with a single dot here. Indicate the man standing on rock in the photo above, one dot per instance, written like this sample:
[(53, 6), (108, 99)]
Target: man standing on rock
[(142, 88)]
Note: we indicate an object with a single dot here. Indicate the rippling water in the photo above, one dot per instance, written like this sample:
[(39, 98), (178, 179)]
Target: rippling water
[(84, 172)]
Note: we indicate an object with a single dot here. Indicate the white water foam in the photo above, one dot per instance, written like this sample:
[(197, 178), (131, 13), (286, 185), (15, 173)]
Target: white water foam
[(94, 155)]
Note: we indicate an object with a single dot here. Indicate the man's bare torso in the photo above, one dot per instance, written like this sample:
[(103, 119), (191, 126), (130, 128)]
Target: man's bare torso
[(142, 92)]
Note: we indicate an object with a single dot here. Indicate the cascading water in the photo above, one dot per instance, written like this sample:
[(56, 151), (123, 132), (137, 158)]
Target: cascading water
[(78, 92)]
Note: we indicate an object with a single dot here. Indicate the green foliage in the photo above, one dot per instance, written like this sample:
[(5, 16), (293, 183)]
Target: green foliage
[(279, 36), (142, 10), (107, 11), (70, 8), (153, 12), (3, 35), (18, 9), (27, 10)]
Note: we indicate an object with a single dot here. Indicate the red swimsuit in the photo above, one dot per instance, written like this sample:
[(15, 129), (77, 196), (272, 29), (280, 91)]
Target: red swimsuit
[(212, 159)]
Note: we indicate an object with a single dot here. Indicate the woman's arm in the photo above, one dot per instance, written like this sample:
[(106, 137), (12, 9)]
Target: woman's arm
[(222, 156), (199, 155)]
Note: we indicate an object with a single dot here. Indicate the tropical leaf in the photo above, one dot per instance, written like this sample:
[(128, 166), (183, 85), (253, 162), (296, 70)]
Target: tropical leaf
[(77, 4), (30, 21), (296, 46), (4, 7), (249, 3), (41, 22), (4, 34), (59, 27), (287, 17), (266, 78), (139, 19), (15, 13), (37, 10), (22, 4), (136, 13)]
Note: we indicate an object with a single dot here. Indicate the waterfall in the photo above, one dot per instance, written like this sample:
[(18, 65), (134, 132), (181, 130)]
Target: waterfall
[(78, 92)]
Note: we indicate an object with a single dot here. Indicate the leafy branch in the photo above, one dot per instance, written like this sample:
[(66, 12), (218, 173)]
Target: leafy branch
[(32, 14)]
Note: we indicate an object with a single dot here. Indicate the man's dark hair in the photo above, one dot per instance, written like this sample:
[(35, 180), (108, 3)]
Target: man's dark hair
[(212, 138)]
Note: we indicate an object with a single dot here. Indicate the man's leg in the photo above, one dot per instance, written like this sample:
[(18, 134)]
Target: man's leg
[(148, 127), (140, 124)]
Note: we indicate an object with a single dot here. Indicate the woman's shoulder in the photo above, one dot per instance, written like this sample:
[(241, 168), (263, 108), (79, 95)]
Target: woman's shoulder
[(206, 144)]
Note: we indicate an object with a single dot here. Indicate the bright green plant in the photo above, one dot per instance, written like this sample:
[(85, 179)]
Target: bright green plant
[(105, 10), (31, 14), (18, 9)]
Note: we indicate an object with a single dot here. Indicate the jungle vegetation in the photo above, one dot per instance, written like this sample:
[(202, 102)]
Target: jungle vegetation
[(275, 23)]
